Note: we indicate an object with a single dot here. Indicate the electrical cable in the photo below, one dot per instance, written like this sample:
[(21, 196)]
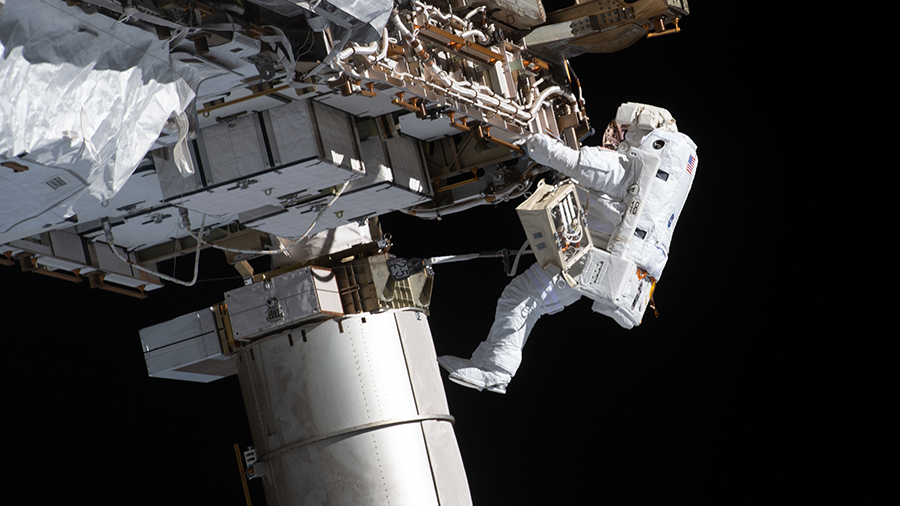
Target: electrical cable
[(515, 265), (321, 212), (107, 229), (282, 249)]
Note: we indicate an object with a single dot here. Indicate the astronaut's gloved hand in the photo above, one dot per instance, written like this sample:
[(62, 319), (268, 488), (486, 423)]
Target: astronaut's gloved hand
[(523, 143), (548, 151)]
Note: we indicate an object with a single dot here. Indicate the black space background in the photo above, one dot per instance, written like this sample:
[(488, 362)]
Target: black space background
[(690, 408)]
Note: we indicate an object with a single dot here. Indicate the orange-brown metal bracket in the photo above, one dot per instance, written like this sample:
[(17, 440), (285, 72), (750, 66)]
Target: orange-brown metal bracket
[(484, 132), (415, 104), (436, 182), (207, 110), (371, 90), (461, 125), (641, 274), (74, 278), (96, 281), (240, 462), (16, 167), (28, 263), (223, 318), (471, 50), (535, 63), (660, 26)]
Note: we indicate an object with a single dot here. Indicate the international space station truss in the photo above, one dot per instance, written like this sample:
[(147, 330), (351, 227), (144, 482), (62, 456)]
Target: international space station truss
[(415, 106)]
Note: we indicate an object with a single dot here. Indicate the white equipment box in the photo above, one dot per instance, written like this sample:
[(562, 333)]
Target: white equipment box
[(556, 225), (304, 295)]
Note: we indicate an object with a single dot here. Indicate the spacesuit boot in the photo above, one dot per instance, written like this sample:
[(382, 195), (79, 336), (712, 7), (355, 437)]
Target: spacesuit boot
[(464, 372), (495, 361)]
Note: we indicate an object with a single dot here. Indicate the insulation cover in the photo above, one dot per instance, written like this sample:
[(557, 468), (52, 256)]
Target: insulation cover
[(82, 94)]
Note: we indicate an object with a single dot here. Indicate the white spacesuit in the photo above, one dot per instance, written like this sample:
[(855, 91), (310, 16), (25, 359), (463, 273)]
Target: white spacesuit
[(636, 191)]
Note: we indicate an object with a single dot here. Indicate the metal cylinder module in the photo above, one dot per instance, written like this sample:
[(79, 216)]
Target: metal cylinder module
[(352, 411)]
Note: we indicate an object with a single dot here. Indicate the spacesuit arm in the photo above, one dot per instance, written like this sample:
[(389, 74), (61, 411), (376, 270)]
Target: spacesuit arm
[(596, 168)]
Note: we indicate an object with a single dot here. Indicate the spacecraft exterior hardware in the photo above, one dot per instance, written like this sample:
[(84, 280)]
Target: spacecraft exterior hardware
[(136, 131), (556, 225)]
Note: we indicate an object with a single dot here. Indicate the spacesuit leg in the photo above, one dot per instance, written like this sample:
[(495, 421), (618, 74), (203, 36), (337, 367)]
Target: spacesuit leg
[(529, 296)]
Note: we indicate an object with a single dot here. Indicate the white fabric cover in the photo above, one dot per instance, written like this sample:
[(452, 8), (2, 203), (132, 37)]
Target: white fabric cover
[(83, 94), (324, 243)]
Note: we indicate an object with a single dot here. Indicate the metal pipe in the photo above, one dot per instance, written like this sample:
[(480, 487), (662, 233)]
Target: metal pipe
[(482, 38), (321, 212), (436, 213), (497, 104), (282, 249), (475, 11), (186, 221), (370, 48), (207, 110)]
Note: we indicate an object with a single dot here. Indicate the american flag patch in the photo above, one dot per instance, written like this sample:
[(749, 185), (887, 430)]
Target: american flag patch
[(692, 162)]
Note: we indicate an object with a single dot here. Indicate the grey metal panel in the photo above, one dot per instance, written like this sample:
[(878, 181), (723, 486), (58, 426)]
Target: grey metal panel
[(186, 348), (338, 136), (449, 476), (377, 199), (157, 226), (391, 183), (426, 129), (421, 360), (283, 7), (372, 151), (240, 177), (56, 263), (286, 299), (141, 191), (182, 353), (264, 189), (406, 160), (35, 194), (233, 150), (171, 182), (362, 106), (388, 467), (178, 329), (293, 133), (189, 376), (67, 246), (338, 413), (104, 259)]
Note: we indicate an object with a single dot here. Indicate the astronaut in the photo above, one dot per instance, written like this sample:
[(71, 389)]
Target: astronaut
[(637, 184)]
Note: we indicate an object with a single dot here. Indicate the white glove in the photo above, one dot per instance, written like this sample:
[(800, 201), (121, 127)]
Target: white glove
[(545, 150)]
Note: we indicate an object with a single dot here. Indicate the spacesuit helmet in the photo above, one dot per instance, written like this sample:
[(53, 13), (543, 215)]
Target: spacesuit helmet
[(644, 117)]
